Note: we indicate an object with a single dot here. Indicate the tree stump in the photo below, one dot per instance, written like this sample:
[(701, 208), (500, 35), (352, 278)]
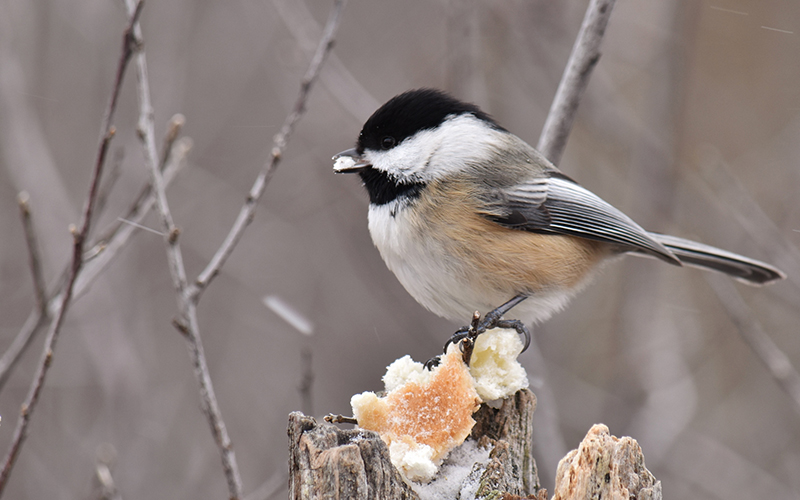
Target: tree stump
[(605, 467), (328, 462)]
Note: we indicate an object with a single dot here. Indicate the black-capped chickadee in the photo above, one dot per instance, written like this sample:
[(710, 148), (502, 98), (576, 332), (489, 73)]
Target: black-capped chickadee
[(468, 216)]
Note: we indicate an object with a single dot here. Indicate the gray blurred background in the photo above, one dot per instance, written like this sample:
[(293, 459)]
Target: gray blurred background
[(691, 125)]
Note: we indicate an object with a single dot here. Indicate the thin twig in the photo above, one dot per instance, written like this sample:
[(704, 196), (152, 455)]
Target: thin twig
[(146, 132), (172, 156), (146, 200), (39, 287), (36, 321), (111, 177), (279, 144), (174, 128), (40, 315), (79, 238), (187, 321), (340, 419), (776, 361), (582, 60)]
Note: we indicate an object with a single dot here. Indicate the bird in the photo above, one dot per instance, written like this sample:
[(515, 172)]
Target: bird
[(469, 217)]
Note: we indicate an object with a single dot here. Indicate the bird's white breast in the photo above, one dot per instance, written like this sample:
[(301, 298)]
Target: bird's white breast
[(439, 281), (419, 262)]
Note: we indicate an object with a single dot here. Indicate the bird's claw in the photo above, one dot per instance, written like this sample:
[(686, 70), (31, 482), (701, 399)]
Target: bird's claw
[(466, 335)]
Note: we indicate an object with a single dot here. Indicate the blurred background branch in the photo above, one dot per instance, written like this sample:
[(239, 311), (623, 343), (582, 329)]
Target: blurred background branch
[(39, 287), (775, 360), (188, 323), (188, 295), (279, 145), (96, 259), (584, 57), (80, 235)]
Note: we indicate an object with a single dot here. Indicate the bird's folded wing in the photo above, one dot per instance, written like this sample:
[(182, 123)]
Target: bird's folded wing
[(556, 204)]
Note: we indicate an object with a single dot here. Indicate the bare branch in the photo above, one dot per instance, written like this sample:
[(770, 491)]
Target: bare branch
[(279, 144), (340, 82), (582, 60), (79, 238), (776, 361), (39, 287), (146, 132), (35, 322), (96, 260), (145, 200), (40, 315), (187, 321), (107, 247)]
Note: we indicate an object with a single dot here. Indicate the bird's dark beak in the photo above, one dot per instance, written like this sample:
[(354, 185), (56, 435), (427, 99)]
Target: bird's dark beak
[(349, 162)]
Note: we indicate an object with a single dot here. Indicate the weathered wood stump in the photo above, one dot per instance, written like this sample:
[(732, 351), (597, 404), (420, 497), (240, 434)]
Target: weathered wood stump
[(605, 467), (328, 462)]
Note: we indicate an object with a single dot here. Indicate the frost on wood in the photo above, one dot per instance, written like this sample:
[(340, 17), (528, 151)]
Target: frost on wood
[(606, 467)]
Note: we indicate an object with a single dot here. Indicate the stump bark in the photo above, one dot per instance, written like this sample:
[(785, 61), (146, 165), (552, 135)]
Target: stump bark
[(328, 462)]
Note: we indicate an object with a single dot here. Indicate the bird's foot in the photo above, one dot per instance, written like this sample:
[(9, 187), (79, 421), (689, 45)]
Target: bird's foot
[(466, 335)]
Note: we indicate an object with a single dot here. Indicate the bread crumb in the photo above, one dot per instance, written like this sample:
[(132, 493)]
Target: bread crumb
[(425, 414), (424, 418), (494, 365)]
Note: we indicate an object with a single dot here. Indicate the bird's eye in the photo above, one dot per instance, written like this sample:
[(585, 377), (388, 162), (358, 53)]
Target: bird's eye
[(387, 142)]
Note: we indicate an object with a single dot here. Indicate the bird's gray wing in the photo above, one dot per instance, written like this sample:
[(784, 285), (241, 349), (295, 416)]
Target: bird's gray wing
[(554, 203)]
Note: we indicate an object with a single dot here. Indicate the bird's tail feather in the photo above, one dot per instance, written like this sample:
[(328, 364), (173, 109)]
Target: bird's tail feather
[(691, 253)]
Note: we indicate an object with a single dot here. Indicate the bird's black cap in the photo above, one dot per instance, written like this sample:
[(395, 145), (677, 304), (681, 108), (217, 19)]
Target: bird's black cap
[(410, 112)]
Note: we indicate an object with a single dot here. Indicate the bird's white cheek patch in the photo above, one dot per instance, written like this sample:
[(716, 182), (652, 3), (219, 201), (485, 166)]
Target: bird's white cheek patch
[(434, 153)]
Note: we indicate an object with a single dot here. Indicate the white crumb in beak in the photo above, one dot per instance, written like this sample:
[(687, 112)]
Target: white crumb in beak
[(343, 163)]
